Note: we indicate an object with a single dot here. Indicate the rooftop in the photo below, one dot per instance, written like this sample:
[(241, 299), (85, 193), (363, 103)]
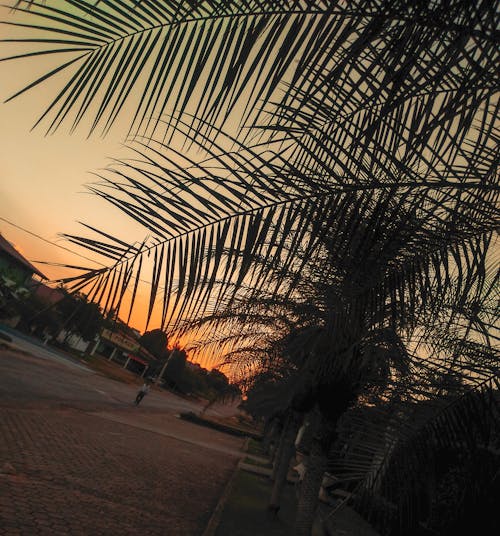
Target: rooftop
[(8, 248)]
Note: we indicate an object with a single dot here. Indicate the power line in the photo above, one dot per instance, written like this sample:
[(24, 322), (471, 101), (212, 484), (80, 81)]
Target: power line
[(66, 249), (63, 247), (49, 242)]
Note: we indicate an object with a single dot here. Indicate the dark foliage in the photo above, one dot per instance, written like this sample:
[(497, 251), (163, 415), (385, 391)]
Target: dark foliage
[(156, 342)]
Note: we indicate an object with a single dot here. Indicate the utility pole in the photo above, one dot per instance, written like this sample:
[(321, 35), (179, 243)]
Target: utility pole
[(160, 376)]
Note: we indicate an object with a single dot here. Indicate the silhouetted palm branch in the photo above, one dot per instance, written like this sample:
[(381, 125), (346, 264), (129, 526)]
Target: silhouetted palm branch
[(390, 113), (441, 437), (213, 58), (257, 212)]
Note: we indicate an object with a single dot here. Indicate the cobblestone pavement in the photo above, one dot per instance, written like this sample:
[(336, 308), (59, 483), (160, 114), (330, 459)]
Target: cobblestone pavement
[(70, 472)]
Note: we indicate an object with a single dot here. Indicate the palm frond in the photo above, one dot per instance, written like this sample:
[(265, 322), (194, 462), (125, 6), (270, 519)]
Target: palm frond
[(216, 60), (463, 432), (174, 50), (217, 216)]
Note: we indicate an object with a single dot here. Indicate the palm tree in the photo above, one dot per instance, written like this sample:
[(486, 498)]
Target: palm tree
[(374, 142), (318, 300), (422, 377), (441, 473), (373, 97)]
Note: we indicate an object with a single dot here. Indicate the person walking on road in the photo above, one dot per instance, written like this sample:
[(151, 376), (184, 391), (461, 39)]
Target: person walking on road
[(143, 391)]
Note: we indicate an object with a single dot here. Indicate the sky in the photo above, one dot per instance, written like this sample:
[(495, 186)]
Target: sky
[(43, 178)]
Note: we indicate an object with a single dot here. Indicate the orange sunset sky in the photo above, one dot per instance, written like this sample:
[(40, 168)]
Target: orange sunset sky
[(42, 178)]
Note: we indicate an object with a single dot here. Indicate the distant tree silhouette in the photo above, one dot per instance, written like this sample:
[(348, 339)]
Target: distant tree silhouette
[(156, 342), (176, 366), (81, 316)]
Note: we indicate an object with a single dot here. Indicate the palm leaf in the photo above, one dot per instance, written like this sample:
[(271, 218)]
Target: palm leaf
[(469, 424), (172, 49), (237, 53)]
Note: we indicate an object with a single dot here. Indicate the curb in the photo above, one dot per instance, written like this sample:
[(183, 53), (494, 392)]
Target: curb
[(215, 518)]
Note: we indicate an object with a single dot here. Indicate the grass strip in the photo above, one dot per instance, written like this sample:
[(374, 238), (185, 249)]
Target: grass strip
[(246, 514), (196, 419)]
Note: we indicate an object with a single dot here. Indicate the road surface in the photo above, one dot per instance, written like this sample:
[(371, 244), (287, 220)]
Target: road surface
[(77, 457)]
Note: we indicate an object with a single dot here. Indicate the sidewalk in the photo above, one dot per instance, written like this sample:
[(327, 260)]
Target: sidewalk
[(242, 510), (70, 472)]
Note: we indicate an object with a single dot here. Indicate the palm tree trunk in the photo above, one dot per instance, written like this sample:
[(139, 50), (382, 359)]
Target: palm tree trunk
[(282, 462), (309, 489), (269, 433), (278, 450)]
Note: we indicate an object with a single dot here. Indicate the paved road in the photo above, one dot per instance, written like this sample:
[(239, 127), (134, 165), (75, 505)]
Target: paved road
[(40, 374), (36, 347), (76, 457), (37, 373)]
